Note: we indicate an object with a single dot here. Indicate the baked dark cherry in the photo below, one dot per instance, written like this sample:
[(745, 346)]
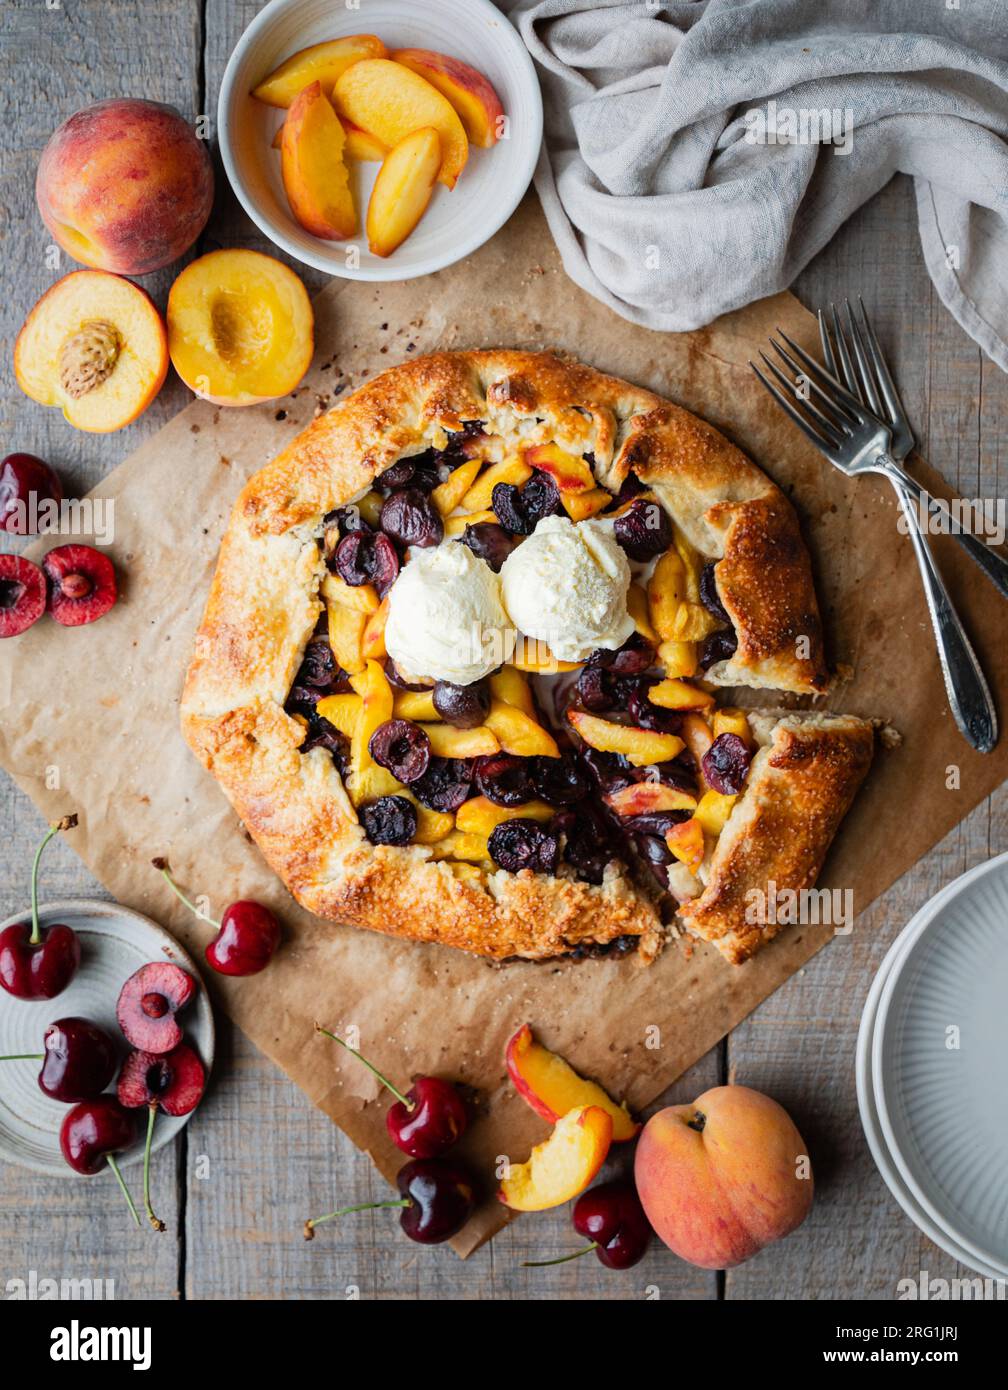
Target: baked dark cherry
[(322, 734), (391, 820), (410, 518), (709, 596), (82, 584), (557, 781), (726, 764), (636, 656), (464, 706), (319, 668), (22, 595), (718, 646), (339, 523), (523, 844), (395, 677), (596, 688), (611, 771), (22, 478), (403, 748), (630, 487), (521, 509), (587, 846), (445, 784), (643, 530), (366, 557), (401, 474), (645, 715), (489, 542), (504, 779)]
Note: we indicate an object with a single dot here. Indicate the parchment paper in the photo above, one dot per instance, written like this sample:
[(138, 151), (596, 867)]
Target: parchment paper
[(100, 704)]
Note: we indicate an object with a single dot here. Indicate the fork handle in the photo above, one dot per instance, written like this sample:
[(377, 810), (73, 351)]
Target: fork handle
[(992, 564), (968, 694)]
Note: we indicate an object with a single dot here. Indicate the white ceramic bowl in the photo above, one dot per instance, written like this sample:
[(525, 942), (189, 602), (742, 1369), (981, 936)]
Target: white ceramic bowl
[(458, 220), (871, 1124), (115, 941), (940, 1035)]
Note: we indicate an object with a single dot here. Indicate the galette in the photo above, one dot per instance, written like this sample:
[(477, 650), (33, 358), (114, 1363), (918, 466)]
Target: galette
[(460, 665)]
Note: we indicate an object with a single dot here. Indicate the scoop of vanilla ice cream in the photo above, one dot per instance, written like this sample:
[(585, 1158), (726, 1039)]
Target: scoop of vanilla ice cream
[(567, 586), (446, 618)]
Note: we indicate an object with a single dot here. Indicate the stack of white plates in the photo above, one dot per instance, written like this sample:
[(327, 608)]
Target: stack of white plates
[(932, 1069)]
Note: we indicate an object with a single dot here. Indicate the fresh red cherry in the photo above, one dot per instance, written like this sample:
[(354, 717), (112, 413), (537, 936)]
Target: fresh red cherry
[(92, 1133), (25, 483), (173, 1082), (39, 962), (438, 1198), (428, 1119), (79, 1060), (247, 934), (612, 1218)]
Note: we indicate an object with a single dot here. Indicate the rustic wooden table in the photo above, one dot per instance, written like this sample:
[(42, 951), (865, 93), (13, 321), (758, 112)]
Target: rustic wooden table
[(237, 1184)]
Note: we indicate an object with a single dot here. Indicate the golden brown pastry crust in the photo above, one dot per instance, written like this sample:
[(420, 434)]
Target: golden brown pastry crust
[(799, 788), (263, 607)]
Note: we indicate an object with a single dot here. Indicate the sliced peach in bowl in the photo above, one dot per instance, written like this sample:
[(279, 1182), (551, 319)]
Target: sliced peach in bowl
[(95, 346), (478, 105), (552, 1087), (240, 327), (322, 62), (563, 1165), (402, 190), (315, 176), (390, 102)]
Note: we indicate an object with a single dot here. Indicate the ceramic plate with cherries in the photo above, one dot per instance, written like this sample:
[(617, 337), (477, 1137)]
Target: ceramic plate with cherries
[(106, 1038)]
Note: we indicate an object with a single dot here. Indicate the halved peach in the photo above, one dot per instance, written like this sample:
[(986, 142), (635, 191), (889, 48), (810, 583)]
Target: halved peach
[(390, 102), (552, 1087), (640, 746), (240, 327), (479, 816), (448, 742), (315, 175), (402, 189), (518, 733), (322, 62), (95, 346), (686, 841), (570, 472), (469, 92), (679, 694), (564, 1165), (512, 470), (641, 798)]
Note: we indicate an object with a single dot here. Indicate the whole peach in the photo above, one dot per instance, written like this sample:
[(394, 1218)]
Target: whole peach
[(125, 185), (724, 1177)]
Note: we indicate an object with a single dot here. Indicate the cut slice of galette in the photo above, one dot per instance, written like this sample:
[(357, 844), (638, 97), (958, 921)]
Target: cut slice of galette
[(458, 669)]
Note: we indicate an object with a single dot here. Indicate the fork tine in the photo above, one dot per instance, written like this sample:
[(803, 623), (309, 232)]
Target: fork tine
[(794, 414), (829, 427), (869, 393), (846, 365), (831, 390), (844, 418), (824, 340), (885, 382)]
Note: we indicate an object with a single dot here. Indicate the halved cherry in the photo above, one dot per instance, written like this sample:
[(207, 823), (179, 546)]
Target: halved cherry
[(82, 584), (22, 595), (173, 1082)]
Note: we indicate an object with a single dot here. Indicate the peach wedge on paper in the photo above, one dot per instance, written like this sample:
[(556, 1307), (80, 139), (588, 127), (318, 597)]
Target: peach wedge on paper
[(552, 1087), (563, 1165)]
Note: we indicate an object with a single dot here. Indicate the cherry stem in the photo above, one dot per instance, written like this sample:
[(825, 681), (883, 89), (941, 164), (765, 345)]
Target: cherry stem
[(155, 1221), (409, 1104), (309, 1226), (67, 823), (163, 870), (24, 1057), (561, 1259), (110, 1160)]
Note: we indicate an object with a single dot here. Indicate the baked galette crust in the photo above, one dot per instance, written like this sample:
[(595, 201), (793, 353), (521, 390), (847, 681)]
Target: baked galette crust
[(264, 605)]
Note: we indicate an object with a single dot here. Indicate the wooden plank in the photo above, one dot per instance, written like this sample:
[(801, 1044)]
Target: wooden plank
[(799, 1045), (65, 59)]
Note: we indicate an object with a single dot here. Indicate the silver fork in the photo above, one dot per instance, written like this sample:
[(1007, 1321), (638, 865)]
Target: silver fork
[(856, 359), (854, 441)]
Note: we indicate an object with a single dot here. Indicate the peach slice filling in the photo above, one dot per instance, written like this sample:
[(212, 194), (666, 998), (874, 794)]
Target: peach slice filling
[(95, 346), (240, 327)]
